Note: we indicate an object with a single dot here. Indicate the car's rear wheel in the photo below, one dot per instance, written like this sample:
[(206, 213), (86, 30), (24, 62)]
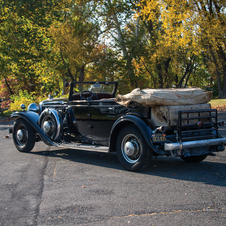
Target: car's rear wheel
[(132, 150), (194, 159), (23, 136)]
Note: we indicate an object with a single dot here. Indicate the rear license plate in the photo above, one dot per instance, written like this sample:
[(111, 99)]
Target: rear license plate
[(159, 137)]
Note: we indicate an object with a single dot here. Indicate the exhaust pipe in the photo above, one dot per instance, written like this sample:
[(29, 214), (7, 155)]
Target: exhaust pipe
[(194, 144)]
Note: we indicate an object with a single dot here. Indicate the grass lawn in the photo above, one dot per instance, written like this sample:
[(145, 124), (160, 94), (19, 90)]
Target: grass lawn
[(219, 104)]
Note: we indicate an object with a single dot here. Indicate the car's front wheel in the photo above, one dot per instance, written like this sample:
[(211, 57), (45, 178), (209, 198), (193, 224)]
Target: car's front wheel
[(23, 136), (132, 150)]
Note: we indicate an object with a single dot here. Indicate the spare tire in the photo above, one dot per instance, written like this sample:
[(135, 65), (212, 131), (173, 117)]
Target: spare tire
[(51, 123)]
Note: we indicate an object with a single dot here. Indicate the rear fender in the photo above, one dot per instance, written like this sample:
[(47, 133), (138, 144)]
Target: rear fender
[(32, 118), (139, 123)]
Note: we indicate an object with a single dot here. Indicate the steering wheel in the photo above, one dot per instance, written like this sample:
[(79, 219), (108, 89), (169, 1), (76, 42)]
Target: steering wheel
[(90, 97)]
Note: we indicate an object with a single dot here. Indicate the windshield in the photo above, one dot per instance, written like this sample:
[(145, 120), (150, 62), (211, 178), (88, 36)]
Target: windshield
[(93, 87)]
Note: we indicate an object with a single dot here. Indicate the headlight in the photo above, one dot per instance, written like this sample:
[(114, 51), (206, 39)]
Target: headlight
[(23, 107), (33, 107)]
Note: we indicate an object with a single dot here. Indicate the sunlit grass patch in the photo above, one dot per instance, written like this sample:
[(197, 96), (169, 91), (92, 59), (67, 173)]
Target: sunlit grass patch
[(219, 104)]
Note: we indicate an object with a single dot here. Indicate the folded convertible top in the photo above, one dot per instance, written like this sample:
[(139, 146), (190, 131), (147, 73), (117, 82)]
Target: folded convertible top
[(165, 97)]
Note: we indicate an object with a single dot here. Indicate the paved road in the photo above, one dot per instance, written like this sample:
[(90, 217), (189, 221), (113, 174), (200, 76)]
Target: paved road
[(52, 186)]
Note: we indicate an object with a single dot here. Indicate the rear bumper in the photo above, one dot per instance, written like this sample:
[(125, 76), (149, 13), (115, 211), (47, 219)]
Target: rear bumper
[(194, 144)]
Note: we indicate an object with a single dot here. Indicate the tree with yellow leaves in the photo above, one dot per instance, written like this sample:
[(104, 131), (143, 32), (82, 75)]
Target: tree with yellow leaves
[(77, 39), (197, 26)]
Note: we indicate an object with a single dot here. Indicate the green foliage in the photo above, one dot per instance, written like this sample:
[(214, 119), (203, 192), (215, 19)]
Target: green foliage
[(24, 98), (140, 43), (26, 45), (183, 29), (77, 39)]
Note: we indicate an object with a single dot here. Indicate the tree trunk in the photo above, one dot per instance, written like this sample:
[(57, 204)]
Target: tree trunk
[(131, 74), (153, 79), (217, 72), (81, 77), (81, 73), (222, 56), (8, 86), (160, 75), (224, 84), (167, 63), (220, 91)]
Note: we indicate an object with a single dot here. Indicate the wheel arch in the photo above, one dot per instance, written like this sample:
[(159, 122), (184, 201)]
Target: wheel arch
[(32, 118), (130, 120), (28, 116)]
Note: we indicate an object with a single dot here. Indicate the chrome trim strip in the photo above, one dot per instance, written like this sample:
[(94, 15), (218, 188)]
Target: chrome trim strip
[(84, 147), (58, 120)]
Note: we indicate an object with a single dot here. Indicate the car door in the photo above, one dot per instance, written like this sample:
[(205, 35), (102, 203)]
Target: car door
[(102, 117), (103, 114), (82, 115)]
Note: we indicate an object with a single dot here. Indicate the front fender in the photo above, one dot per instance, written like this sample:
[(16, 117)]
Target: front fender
[(145, 130), (32, 118)]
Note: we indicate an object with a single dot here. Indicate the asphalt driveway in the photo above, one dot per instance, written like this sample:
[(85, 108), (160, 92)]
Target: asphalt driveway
[(51, 186)]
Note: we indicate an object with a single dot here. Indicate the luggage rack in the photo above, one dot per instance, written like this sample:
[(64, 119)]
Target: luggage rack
[(197, 124)]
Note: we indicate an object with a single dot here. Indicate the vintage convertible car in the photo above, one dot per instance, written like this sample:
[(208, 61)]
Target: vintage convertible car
[(90, 119)]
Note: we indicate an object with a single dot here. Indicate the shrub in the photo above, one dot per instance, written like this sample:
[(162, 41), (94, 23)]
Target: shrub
[(25, 98)]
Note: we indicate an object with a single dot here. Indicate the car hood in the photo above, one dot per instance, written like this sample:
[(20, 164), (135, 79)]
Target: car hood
[(55, 101)]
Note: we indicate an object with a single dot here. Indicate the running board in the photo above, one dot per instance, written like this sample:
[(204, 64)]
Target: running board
[(84, 147)]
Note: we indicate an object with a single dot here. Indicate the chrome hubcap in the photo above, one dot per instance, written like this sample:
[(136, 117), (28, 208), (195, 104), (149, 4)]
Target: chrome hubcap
[(47, 126), (130, 148), (20, 135)]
